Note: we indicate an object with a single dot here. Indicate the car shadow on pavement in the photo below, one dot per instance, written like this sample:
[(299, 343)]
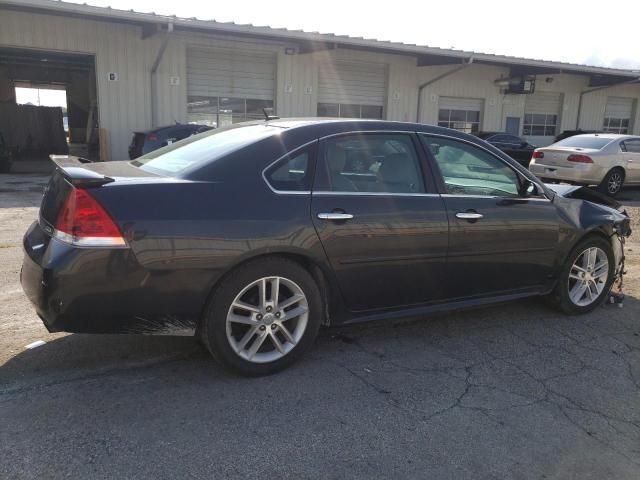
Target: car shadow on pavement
[(487, 333)]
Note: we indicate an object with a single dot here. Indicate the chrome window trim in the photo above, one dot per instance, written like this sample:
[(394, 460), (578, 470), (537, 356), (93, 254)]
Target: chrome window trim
[(495, 197), (374, 194), (288, 154), (537, 184), (359, 132)]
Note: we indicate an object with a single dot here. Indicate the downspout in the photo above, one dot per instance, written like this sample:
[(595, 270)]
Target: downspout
[(597, 89), (154, 70), (421, 88)]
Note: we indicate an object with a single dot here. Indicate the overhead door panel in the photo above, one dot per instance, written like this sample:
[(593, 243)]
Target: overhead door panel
[(543, 103), (351, 83), (541, 117), (618, 107), (455, 103), (230, 73)]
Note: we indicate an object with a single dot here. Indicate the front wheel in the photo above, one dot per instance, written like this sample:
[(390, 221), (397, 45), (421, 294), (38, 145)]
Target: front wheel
[(263, 316), (586, 277)]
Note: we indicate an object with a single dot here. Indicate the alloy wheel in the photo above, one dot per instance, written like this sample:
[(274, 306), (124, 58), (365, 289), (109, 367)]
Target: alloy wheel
[(614, 183), (267, 319), (588, 276)]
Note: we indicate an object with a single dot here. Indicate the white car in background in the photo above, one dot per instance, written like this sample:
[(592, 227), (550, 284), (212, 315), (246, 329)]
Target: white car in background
[(603, 159)]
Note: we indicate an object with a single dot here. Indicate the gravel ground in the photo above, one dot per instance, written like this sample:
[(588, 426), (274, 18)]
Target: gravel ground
[(512, 391)]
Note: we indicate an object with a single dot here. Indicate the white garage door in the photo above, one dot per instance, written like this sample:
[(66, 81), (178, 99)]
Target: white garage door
[(618, 114), (225, 86), (351, 90), (462, 114), (542, 116)]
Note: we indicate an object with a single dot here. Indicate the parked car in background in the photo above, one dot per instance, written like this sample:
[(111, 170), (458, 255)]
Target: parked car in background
[(253, 235), (516, 147), (145, 142), (605, 160), (572, 133)]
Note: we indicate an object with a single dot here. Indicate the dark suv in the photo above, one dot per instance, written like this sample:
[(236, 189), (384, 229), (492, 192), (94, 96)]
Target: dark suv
[(145, 142)]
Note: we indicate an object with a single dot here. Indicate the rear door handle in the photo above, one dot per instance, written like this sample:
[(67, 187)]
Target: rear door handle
[(469, 215), (335, 216)]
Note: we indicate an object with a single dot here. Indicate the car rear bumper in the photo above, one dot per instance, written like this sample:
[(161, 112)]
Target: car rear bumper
[(584, 174), (100, 290)]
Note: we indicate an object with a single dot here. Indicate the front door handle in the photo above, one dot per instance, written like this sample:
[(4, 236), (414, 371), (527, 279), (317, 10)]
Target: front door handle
[(335, 216), (469, 216)]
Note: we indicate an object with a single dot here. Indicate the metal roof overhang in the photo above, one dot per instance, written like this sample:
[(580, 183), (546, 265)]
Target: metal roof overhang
[(314, 41)]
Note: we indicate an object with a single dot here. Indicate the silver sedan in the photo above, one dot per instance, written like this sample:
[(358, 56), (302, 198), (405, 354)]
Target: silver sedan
[(602, 159)]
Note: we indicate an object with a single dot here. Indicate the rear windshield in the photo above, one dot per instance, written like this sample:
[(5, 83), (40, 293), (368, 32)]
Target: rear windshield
[(203, 148), (580, 141)]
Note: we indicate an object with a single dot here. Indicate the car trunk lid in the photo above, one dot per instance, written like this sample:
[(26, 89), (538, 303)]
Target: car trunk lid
[(75, 172), (559, 156)]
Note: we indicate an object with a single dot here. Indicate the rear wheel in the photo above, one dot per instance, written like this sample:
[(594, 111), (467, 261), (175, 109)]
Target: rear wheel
[(586, 277), (612, 182), (263, 316)]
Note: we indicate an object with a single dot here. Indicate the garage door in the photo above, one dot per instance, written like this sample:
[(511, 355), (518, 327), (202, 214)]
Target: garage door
[(618, 114), (462, 114), (351, 90), (228, 86), (542, 115)]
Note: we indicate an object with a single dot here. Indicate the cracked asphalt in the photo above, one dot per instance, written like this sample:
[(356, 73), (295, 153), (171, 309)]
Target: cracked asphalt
[(513, 391)]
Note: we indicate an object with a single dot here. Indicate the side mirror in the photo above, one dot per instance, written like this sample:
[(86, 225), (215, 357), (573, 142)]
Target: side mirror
[(527, 188)]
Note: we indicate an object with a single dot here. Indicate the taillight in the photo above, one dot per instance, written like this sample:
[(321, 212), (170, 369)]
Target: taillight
[(84, 223), (152, 137), (579, 158), (537, 154)]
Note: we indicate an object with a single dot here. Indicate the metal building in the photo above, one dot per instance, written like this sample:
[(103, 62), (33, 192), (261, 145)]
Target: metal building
[(130, 71)]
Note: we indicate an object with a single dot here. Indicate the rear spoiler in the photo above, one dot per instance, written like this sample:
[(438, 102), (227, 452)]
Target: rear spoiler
[(71, 168)]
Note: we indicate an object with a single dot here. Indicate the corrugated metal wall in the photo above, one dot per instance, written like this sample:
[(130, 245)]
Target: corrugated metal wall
[(125, 105)]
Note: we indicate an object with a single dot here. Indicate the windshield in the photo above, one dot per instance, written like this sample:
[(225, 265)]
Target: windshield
[(202, 148), (580, 141)]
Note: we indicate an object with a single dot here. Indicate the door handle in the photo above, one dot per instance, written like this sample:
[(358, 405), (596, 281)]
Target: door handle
[(335, 216), (469, 215)]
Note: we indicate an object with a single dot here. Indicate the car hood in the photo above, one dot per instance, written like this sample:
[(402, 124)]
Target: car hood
[(585, 193)]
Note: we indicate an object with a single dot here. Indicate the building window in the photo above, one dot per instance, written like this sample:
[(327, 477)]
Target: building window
[(463, 120), (616, 125), (222, 111), (344, 110), (540, 124)]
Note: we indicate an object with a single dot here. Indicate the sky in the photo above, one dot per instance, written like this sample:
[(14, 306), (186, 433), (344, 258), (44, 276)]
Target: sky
[(585, 32), (41, 96)]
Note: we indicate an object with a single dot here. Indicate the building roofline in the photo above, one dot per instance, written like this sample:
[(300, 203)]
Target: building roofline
[(59, 7)]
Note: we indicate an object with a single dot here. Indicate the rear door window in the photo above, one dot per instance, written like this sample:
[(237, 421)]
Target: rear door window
[(375, 163), (631, 146)]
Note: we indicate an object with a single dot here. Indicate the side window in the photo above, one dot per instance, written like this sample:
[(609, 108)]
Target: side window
[(292, 173), (469, 170), (374, 163), (631, 146), (499, 139)]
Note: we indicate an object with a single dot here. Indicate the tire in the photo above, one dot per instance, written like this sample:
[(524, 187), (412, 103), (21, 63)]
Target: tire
[(612, 182), (564, 295), (235, 320)]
